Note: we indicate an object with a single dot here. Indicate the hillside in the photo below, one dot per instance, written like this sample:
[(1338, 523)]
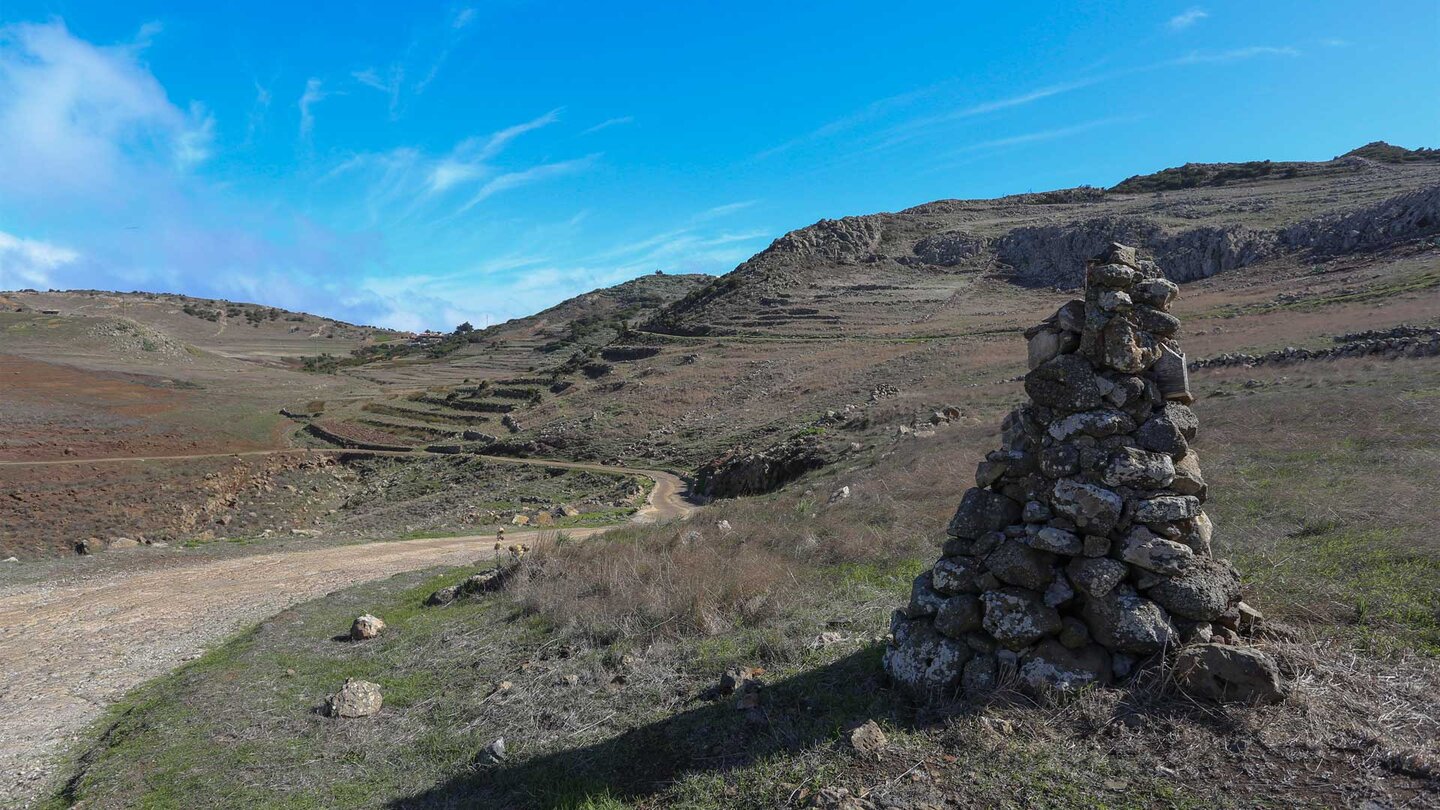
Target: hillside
[(921, 270), (835, 394), (881, 320)]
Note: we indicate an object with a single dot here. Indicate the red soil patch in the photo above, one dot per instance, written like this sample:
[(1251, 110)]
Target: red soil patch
[(52, 411)]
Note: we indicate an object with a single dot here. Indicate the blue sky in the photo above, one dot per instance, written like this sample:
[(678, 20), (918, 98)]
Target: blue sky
[(421, 166)]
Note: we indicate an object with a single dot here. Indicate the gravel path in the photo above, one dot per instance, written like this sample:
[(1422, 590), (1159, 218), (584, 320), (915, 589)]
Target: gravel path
[(69, 650)]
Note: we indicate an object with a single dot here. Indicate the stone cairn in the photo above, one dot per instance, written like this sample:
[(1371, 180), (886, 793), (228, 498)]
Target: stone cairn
[(1082, 551)]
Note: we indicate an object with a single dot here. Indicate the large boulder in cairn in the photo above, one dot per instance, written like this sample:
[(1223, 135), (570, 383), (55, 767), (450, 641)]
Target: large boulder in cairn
[(1082, 549), (1225, 673)]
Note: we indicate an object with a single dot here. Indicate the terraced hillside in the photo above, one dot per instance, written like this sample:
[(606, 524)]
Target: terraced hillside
[(521, 345), (864, 325)]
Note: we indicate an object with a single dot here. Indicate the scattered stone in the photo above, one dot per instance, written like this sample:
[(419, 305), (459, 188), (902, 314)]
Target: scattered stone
[(355, 699), (739, 679), (998, 726), (494, 753), (868, 739), (366, 627), (843, 493), (10, 560), (1224, 673)]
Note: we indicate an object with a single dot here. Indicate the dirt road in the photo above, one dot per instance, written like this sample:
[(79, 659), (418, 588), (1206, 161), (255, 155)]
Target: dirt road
[(68, 651)]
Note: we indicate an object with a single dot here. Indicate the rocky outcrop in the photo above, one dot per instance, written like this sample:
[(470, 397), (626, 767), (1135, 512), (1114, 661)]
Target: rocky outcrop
[(1407, 216), (752, 472), (1083, 549), (948, 248), (1052, 255), (846, 240)]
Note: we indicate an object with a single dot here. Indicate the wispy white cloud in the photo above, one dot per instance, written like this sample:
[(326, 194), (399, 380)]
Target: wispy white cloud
[(314, 94), (74, 115), (391, 84), (869, 112), (534, 174), (1186, 18), (468, 161), (462, 18), (1335, 42), (1041, 135), (259, 109), (610, 122), (1233, 55), (29, 262), (919, 127), (722, 210)]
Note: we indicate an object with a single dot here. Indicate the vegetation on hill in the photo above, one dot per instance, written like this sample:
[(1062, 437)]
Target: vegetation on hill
[(1389, 153)]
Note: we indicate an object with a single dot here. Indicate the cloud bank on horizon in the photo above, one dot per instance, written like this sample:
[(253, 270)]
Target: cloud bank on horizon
[(481, 164)]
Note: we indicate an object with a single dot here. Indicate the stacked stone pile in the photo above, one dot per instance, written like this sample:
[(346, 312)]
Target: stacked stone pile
[(1083, 550)]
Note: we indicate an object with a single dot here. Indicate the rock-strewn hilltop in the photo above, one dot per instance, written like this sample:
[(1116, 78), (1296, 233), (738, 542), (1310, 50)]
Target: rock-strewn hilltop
[(1198, 220)]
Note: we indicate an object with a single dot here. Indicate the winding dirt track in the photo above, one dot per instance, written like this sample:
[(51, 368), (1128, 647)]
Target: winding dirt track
[(68, 651)]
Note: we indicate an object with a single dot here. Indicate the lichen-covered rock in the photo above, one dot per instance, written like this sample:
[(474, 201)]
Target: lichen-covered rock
[(1065, 383), (1052, 665), (924, 662), (982, 511), (1145, 549), (1124, 621), (1093, 509), (355, 699), (1205, 591), (1056, 541), (958, 616), (1097, 576), (1188, 479), (1097, 424), (1142, 469), (1223, 672), (1167, 509), (924, 600), (1018, 564), (1018, 617), (952, 575)]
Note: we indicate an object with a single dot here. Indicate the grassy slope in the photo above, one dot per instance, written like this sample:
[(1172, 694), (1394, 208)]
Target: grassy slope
[(1318, 475)]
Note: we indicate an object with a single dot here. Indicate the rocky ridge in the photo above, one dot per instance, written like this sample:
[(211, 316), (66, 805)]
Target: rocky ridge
[(1083, 551)]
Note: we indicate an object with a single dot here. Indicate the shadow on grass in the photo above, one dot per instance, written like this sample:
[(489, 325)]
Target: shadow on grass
[(808, 711), (794, 714)]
